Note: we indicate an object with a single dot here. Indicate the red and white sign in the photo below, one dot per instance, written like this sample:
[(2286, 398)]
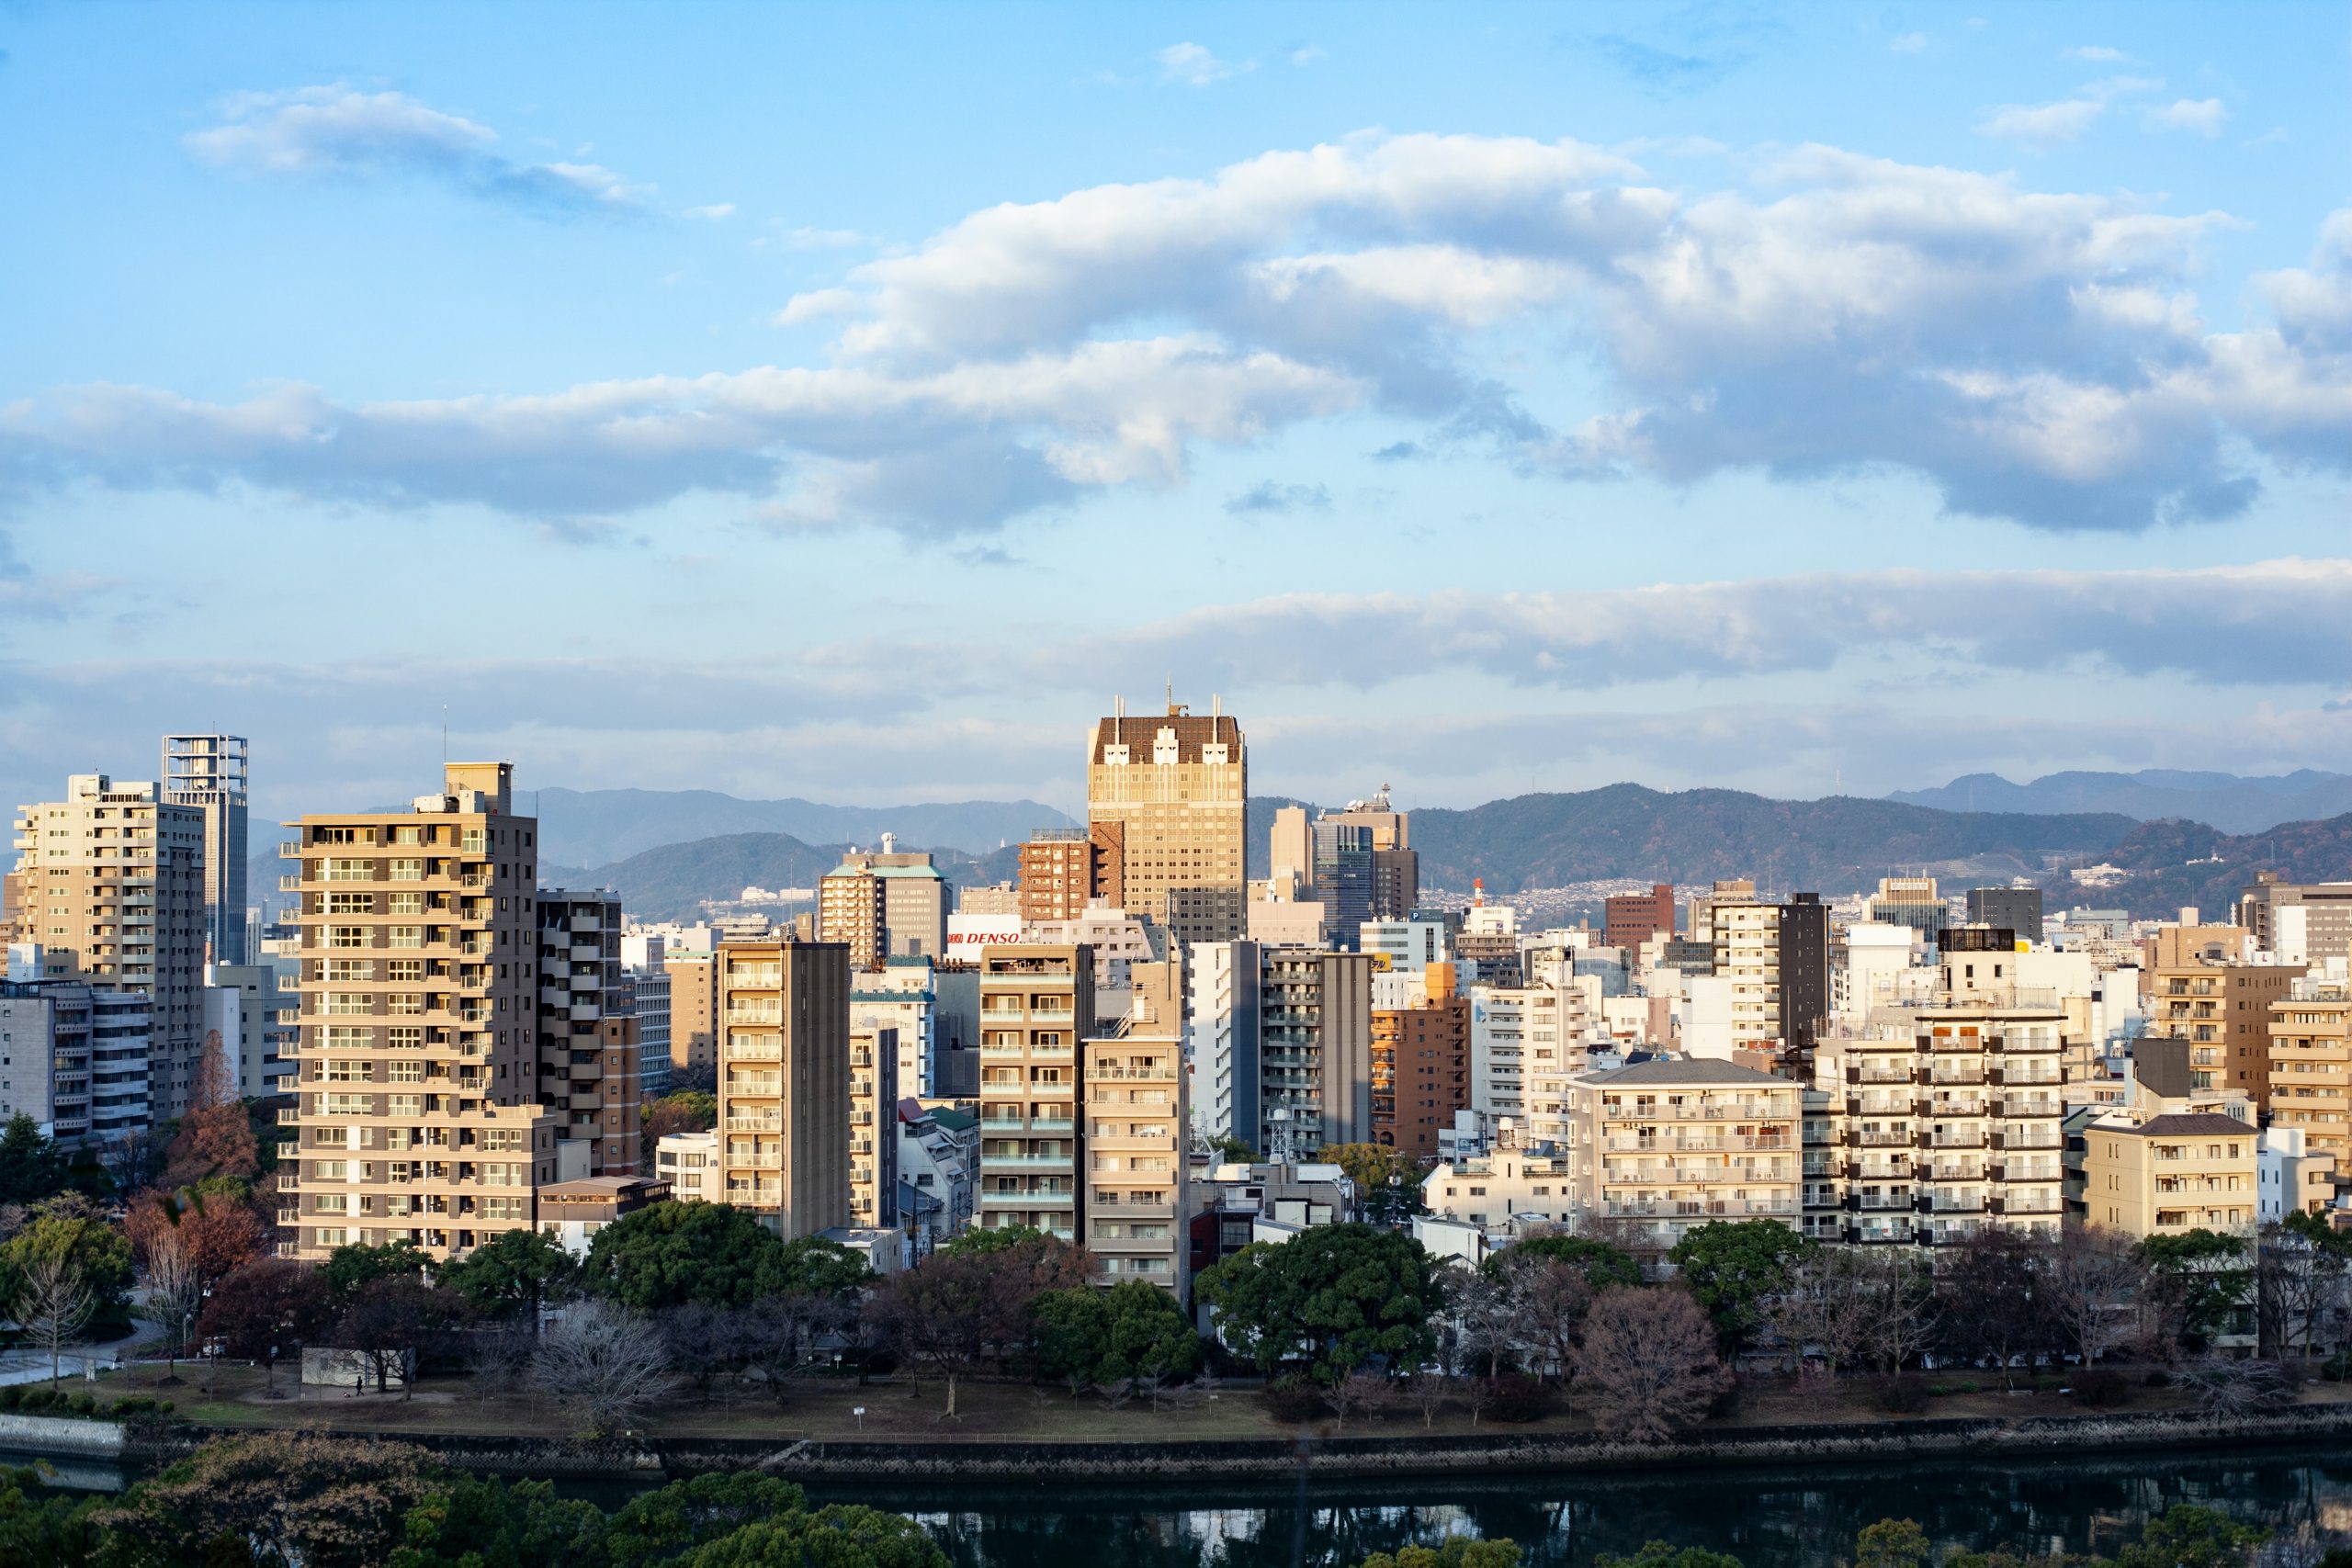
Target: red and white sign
[(969, 934)]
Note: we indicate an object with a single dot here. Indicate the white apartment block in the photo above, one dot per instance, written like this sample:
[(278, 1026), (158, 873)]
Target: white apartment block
[(1663, 1146), (689, 1163), (1221, 1039), (1747, 953)]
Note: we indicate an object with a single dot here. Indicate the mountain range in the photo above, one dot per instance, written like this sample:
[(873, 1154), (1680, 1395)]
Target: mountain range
[(595, 827), (2228, 801), (2174, 865)]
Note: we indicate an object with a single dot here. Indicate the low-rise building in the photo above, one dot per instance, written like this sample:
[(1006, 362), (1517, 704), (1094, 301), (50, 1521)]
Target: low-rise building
[(2170, 1174), (573, 1211), (1234, 1205), (689, 1163), (1662, 1145), (2289, 1178), (1504, 1193)]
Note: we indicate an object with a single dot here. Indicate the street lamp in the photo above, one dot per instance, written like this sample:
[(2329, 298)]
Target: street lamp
[(859, 1410)]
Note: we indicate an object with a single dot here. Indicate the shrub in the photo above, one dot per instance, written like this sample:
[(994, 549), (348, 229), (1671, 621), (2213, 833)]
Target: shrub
[(1518, 1398), (12, 1396), (2099, 1387), (2158, 1378), (1294, 1400), (1904, 1393), (83, 1405), (2337, 1367)]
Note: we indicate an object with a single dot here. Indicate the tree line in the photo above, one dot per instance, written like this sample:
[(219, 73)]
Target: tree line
[(280, 1502)]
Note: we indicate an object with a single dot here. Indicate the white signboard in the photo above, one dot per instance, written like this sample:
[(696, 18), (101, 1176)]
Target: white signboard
[(967, 934)]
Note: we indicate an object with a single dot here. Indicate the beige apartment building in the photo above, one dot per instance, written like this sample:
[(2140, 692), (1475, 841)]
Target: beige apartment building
[(1176, 786), (851, 911), (112, 888), (1663, 1146), (1748, 952), (2222, 1009), (890, 905), (2297, 923), (784, 1083), (417, 1115), (873, 1125), (693, 1013), (2311, 1067), (1138, 1208), (2170, 1174), (1505, 1191), (1036, 1005)]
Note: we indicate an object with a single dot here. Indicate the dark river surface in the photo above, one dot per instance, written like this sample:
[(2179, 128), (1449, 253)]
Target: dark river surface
[(1797, 1518), (1791, 1518)]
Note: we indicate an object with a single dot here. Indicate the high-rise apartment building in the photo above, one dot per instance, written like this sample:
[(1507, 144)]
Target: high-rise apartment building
[(902, 996), (114, 892), (784, 1083), (885, 905), (1222, 1034), (649, 1002), (873, 1126), (694, 1012), (74, 1057), (2224, 1011), (1629, 919), (1064, 870), (2310, 1066), (1314, 1051), (418, 1117), (208, 772), (2297, 923), (589, 1067), (1177, 785), (271, 1029), (1420, 1066), (1036, 1005), (1136, 1165), (1801, 941), (1747, 936)]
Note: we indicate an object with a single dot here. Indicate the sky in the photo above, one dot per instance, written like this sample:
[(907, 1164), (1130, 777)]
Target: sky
[(852, 402)]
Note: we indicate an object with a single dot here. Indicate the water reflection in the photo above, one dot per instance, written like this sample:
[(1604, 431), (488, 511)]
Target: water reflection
[(1795, 1519)]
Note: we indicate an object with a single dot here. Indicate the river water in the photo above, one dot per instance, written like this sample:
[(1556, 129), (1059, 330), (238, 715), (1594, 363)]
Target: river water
[(1792, 1517), (1769, 1518)]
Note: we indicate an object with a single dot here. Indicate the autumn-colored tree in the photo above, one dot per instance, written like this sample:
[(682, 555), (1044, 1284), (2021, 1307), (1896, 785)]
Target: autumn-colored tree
[(267, 1309), (318, 1500), (212, 1223), (216, 1136), (687, 1110)]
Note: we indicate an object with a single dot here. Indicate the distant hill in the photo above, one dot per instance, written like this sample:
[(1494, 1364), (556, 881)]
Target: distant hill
[(2177, 863), (671, 881), (2233, 803), (597, 827), (1840, 845)]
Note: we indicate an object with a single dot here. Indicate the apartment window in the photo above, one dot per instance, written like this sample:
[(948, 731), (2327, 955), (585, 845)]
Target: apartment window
[(405, 936), (408, 1070), (349, 1004), (351, 903), (404, 903), (351, 969), (331, 1236), (407, 836), (346, 936), (331, 1169), (346, 1072), (502, 1138), (346, 1104), (405, 969), (406, 1105), (347, 1037), (408, 871), (503, 1208)]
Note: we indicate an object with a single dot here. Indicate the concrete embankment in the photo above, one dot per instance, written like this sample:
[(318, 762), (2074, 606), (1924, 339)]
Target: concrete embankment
[(1271, 1458)]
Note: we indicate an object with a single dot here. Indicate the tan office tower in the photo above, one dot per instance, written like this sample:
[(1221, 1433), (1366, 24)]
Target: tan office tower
[(693, 1013), (783, 1082), (418, 1118), (1136, 1114), (891, 905), (1177, 785), (113, 890), (1036, 1004), (589, 1071)]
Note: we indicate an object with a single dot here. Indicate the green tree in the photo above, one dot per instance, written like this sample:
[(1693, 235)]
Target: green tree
[(1735, 1267), (1388, 1184), (842, 1536), (2203, 1281), (511, 1273), (351, 1268), (1334, 1297), (1659, 1554), (1071, 1335), (811, 1265), (980, 1241), (41, 1528), (480, 1521), (1133, 1330), (673, 1253), (1602, 1264), (687, 1110), (1230, 1150), (2188, 1536), (1458, 1551), (31, 1169), (67, 1230), (657, 1525), (323, 1502), (1892, 1543)]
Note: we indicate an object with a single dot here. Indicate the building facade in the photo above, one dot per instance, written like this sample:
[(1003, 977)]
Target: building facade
[(1420, 1066), (873, 1126), (2311, 1067), (1036, 1005), (1314, 1051), (1136, 1198), (783, 1095), (113, 890), (418, 1117), (1661, 1147), (1629, 919), (2222, 1009), (590, 1069), (693, 1013), (2169, 1175), (1177, 786), (210, 772), (74, 1057)]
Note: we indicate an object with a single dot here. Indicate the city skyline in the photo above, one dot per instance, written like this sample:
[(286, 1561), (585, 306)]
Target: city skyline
[(1786, 401)]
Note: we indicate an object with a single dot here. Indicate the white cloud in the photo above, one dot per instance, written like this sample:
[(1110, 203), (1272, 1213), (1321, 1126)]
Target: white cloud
[(2034, 355), (1909, 43), (1194, 66), (334, 130), (2204, 116), (826, 238), (714, 212), (2100, 53), (2061, 121), (1306, 54)]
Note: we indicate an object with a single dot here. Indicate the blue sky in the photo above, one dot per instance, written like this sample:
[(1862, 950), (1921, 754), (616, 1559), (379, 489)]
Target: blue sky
[(847, 401)]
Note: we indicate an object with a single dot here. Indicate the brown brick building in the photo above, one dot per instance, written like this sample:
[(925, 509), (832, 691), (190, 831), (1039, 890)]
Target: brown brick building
[(1421, 1067)]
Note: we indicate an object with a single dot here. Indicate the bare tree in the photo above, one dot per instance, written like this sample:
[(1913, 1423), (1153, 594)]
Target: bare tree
[(1549, 1299), (174, 1295), (2226, 1386), (52, 1306), (497, 1358), (602, 1364), (1831, 1305), (1905, 1312), (2092, 1281), (2297, 1285), (1364, 1392), (1487, 1322), (1429, 1392), (1650, 1358)]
